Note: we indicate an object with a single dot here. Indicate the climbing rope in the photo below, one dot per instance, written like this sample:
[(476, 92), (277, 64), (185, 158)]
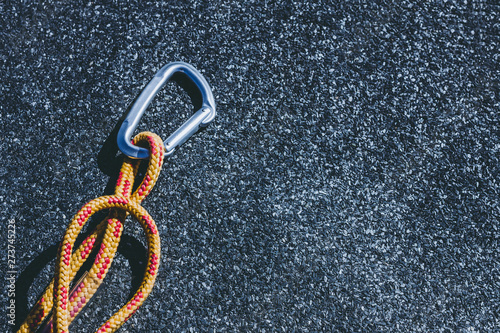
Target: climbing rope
[(66, 305)]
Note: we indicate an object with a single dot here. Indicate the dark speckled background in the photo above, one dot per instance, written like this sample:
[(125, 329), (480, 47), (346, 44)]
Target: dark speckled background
[(350, 181)]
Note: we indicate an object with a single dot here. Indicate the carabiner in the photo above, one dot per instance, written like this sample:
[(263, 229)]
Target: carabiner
[(201, 118)]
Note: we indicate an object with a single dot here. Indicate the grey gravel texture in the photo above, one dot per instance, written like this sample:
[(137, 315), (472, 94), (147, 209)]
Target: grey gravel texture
[(350, 182)]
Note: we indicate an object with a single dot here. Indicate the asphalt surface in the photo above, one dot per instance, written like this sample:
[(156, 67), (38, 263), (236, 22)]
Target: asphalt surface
[(349, 183)]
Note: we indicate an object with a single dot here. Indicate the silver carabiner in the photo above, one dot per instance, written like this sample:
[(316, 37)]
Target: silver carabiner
[(201, 118)]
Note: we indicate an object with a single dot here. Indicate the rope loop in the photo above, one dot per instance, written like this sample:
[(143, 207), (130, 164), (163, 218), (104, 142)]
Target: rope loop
[(104, 239)]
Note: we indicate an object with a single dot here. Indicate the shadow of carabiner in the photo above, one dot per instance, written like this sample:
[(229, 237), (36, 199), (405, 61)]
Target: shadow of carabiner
[(190, 80)]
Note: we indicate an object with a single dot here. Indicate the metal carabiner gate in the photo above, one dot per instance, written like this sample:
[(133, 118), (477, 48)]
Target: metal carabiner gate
[(201, 118)]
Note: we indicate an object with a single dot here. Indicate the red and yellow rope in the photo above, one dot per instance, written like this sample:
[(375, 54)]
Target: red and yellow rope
[(104, 239)]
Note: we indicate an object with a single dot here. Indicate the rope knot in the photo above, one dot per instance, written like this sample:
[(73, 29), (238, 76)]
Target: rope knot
[(105, 237)]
